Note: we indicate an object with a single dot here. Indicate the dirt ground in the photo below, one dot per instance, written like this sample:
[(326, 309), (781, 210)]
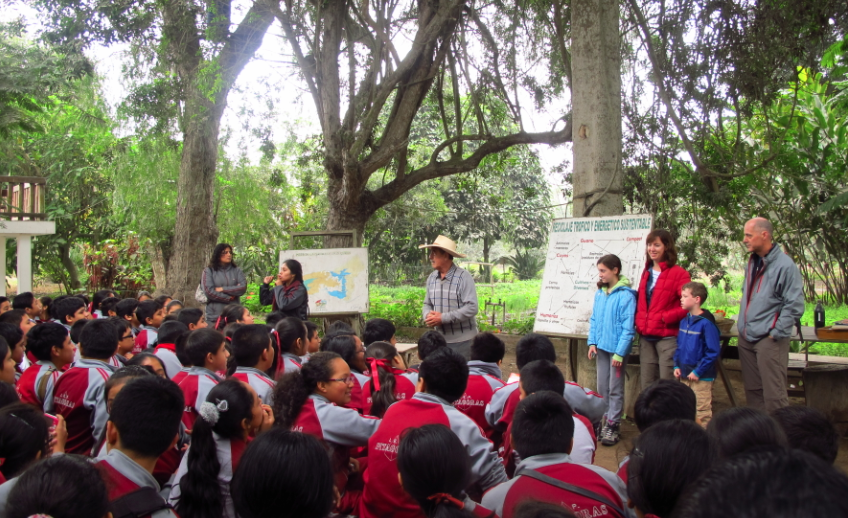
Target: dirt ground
[(610, 456)]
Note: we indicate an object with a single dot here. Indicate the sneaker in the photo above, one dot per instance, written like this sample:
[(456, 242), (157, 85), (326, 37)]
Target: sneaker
[(601, 428), (611, 434)]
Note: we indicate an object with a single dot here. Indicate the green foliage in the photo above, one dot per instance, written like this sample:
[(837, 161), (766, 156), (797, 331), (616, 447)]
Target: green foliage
[(526, 266)]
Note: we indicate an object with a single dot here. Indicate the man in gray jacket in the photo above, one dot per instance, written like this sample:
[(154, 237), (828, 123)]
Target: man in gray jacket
[(772, 303), (450, 304)]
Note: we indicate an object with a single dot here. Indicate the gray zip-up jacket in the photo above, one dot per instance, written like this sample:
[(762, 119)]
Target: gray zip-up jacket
[(774, 301), (234, 284)]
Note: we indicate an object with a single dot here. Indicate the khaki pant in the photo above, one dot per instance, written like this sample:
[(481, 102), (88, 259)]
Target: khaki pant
[(656, 360), (764, 365), (704, 399)]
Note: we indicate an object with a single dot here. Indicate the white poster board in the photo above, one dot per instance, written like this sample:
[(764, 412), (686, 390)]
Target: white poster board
[(571, 273), (335, 278)]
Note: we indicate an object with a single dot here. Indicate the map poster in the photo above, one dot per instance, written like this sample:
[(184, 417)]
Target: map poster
[(335, 278), (571, 274)]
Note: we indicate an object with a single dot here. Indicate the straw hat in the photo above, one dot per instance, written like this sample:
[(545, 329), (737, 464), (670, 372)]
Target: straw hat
[(445, 244)]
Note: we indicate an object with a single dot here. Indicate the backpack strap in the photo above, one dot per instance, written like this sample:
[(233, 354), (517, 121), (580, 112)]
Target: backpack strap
[(143, 501), (41, 389), (541, 477)]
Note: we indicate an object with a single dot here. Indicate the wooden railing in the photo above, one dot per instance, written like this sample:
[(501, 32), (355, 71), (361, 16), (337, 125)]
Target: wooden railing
[(22, 198)]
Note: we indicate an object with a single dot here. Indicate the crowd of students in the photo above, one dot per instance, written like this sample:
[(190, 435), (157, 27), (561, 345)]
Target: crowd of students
[(137, 408)]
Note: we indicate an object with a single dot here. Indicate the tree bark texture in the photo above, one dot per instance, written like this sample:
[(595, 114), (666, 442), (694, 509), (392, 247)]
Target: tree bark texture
[(70, 266), (596, 99), (159, 264)]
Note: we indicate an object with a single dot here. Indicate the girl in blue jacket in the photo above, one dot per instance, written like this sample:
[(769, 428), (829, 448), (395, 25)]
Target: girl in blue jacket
[(610, 340)]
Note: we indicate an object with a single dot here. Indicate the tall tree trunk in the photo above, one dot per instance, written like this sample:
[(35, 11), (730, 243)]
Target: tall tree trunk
[(159, 263), (596, 97), (347, 211), (70, 267)]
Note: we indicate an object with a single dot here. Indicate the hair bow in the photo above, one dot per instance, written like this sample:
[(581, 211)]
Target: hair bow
[(374, 364)]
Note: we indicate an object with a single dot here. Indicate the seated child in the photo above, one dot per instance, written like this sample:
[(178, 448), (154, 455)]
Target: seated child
[(126, 309), (96, 307), (738, 429), (291, 345), (313, 341), (698, 349), (173, 306), (144, 422), (427, 345), (808, 429), (205, 349), (150, 362), (78, 395), (51, 345), (5, 305), (68, 310), (231, 413), (484, 378), (193, 318), (126, 341), (166, 346), (107, 307), (233, 314), (150, 315), (443, 379), (253, 355), (17, 342), (60, 486), (19, 318), (8, 374), (349, 347), (114, 385), (389, 383), (25, 439), (29, 304), (379, 330), (542, 434)]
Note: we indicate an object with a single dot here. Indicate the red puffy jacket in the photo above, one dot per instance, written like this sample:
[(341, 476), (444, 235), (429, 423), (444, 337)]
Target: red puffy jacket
[(664, 316)]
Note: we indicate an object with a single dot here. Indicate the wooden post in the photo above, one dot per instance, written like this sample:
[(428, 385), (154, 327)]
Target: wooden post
[(587, 370), (632, 388), (826, 388)]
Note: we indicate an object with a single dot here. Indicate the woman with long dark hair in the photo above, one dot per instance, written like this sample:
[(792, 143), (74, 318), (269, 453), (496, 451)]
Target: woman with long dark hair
[(658, 311), (223, 282), (290, 296)]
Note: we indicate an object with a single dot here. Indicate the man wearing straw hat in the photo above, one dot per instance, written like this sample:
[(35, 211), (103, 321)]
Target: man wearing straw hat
[(450, 305)]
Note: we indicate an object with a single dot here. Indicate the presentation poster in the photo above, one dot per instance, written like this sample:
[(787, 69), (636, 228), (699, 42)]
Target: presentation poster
[(335, 278)]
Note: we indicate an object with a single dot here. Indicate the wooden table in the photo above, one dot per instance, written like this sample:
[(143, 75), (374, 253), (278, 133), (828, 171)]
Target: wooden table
[(409, 353)]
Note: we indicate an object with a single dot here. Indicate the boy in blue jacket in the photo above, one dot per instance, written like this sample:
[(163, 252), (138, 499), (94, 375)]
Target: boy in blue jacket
[(698, 349)]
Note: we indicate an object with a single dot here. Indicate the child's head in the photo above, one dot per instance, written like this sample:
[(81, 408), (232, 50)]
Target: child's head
[(192, 317), (693, 295), (378, 330), (665, 460), (143, 296), (339, 327), (382, 358), (540, 375), (173, 306), (15, 338), (18, 318), (664, 400), (543, 423), (126, 309), (107, 306), (119, 379), (325, 374), (76, 330), (432, 460), (769, 483), (609, 269), (273, 317), (150, 362), (126, 340), (68, 310), (62, 486), (8, 395), (291, 336), (98, 298), (486, 347), (738, 429), (98, 340), (5, 305), (164, 300), (170, 331), (808, 429), (150, 313), (348, 347), (24, 437), (278, 459), (252, 347), (205, 348), (444, 374), (313, 342), (145, 416), (50, 342), (7, 363), (45, 307), (233, 314), (534, 346), (429, 343), (28, 303)]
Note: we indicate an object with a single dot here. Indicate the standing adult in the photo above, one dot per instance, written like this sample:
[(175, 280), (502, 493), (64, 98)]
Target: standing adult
[(289, 295), (223, 282), (772, 303), (658, 311), (450, 305)]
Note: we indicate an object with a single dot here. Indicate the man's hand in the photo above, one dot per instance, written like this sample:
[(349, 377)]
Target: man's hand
[(677, 373), (434, 318), (693, 377)]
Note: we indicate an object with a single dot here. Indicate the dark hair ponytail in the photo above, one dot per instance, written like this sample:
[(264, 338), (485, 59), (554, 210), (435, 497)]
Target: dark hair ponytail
[(288, 331), (379, 356), (612, 262), (231, 314), (295, 268), (23, 434), (434, 468), (294, 388), (200, 492)]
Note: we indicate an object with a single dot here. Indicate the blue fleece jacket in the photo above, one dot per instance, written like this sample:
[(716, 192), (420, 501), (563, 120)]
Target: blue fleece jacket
[(611, 325), (698, 347)]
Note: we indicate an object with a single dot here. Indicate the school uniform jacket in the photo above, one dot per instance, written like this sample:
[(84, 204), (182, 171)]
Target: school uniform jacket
[(483, 380), (287, 362), (196, 386), (357, 396), (123, 475), (383, 495), (145, 338), (79, 397), (404, 388), (504, 498), (261, 383), (582, 400), (229, 453), (180, 376), (37, 383), (168, 354)]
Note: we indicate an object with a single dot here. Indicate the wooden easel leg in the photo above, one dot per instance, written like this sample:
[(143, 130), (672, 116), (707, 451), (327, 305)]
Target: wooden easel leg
[(728, 386)]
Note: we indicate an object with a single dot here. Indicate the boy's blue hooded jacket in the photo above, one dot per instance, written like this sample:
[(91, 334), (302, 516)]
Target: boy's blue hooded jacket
[(698, 347), (611, 325)]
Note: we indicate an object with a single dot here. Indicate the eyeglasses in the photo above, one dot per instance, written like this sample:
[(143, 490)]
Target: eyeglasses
[(127, 337), (348, 380)]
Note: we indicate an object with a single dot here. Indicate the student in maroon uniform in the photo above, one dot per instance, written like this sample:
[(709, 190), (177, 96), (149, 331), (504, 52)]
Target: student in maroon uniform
[(97, 302), (443, 379), (144, 422), (107, 307), (349, 347), (389, 383), (29, 304), (666, 460), (312, 401), (738, 429), (150, 362), (193, 318), (283, 459), (7, 366), (166, 346), (484, 378), (232, 412), (180, 351), (808, 429), (313, 341), (206, 351), (51, 345), (433, 467), (150, 315), (254, 355), (427, 345), (15, 338), (378, 330), (24, 438), (68, 310), (78, 395), (126, 341), (542, 434), (126, 309), (290, 334), (61, 486), (18, 318), (233, 314), (114, 385)]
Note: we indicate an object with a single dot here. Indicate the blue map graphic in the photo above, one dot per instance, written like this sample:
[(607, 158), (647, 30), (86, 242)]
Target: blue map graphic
[(342, 277)]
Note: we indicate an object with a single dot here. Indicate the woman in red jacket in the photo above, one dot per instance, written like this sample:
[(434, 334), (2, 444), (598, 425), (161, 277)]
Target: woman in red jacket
[(658, 311)]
